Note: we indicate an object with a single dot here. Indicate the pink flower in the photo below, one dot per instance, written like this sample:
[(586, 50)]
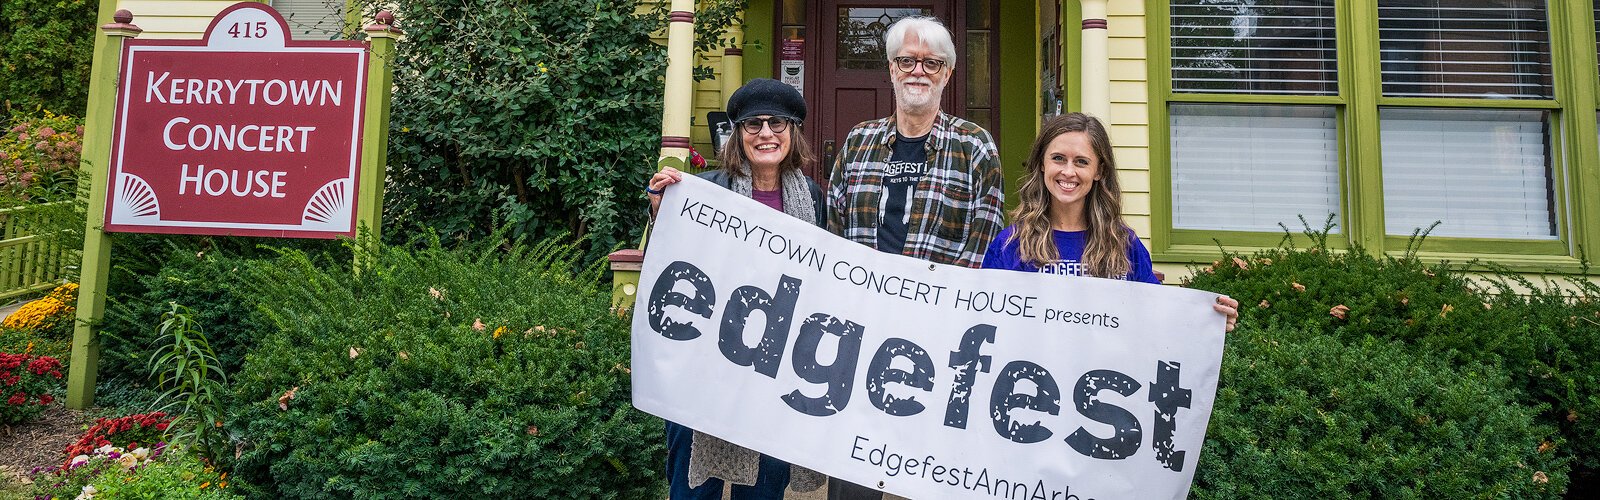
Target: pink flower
[(47, 132)]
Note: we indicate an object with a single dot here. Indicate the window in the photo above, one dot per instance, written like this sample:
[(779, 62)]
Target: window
[(312, 19), (1272, 113), (1250, 167)]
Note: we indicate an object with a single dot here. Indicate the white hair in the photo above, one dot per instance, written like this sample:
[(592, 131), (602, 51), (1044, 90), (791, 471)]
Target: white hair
[(927, 29)]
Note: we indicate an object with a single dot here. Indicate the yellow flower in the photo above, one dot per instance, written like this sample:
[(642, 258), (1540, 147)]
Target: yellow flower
[(501, 330), (205, 484)]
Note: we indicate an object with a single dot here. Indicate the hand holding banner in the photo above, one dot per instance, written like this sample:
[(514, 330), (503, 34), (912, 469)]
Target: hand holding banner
[(923, 380)]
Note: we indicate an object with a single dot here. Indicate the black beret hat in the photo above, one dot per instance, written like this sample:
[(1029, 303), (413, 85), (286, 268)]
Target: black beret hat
[(765, 96)]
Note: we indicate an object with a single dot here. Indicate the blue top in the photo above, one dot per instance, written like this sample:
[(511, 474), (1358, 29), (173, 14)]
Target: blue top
[(1004, 254)]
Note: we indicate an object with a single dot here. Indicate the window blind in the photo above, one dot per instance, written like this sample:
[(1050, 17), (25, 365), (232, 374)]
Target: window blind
[(1483, 173), (1465, 48), (1251, 167), (1254, 47), (312, 19)]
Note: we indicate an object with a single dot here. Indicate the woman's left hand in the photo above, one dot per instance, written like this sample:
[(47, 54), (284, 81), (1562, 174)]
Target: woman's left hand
[(1228, 307)]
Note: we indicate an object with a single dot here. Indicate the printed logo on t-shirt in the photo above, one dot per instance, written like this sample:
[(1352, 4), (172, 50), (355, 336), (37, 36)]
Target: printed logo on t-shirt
[(897, 172), (1069, 268)]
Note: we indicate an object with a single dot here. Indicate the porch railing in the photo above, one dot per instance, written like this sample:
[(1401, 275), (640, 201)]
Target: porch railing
[(30, 260)]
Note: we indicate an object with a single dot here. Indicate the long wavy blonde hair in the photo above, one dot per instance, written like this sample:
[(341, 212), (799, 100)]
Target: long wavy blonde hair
[(1105, 253)]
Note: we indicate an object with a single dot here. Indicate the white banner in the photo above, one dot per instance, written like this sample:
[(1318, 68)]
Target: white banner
[(922, 380)]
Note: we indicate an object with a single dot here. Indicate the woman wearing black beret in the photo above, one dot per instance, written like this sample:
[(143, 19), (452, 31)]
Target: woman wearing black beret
[(762, 160)]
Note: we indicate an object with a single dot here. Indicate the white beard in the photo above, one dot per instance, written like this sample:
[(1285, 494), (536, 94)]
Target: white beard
[(918, 100)]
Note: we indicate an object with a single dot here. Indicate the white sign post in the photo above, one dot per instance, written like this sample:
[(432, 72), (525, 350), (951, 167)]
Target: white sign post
[(922, 380)]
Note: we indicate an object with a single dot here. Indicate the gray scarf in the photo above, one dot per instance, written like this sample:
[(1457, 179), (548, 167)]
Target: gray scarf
[(710, 456), (797, 200)]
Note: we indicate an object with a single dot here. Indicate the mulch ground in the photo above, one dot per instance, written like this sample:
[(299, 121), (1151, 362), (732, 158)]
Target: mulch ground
[(38, 443)]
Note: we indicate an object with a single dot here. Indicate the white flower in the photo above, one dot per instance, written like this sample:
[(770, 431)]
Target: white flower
[(141, 452), (128, 461), (79, 459), (88, 493), (105, 449)]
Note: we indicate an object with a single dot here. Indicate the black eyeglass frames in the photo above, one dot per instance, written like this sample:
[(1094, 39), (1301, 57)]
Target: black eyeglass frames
[(906, 64), (778, 124)]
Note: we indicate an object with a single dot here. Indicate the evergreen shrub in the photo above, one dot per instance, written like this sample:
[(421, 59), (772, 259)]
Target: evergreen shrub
[(1303, 414), (1541, 338), (478, 372), (210, 285)]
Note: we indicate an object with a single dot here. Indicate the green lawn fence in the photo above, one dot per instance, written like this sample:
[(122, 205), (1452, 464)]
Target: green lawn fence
[(29, 261)]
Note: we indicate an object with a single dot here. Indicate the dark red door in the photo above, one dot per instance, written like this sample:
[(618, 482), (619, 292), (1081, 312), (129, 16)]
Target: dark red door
[(851, 81)]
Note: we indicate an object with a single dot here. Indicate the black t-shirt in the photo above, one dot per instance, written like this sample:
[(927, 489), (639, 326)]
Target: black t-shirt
[(907, 165)]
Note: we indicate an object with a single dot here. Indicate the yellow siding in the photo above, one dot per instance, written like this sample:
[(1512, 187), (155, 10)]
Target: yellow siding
[(707, 98), (1130, 116), (1125, 8), (173, 19)]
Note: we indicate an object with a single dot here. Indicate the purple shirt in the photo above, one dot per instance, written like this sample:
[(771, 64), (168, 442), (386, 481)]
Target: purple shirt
[(772, 198)]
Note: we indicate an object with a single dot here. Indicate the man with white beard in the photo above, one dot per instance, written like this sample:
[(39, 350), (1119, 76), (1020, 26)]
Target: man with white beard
[(921, 182)]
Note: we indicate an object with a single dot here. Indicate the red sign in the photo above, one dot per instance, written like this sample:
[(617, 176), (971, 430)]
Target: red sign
[(245, 132)]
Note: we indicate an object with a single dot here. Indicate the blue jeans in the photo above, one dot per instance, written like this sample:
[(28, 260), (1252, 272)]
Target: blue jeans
[(771, 477)]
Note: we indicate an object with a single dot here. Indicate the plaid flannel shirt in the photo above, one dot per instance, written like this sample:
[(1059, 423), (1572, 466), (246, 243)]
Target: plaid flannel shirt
[(955, 209)]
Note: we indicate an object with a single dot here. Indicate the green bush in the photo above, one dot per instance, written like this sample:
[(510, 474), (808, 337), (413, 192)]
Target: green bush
[(1302, 414), (469, 373), (1543, 338), (546, 120), (46, 48), (210, 284)]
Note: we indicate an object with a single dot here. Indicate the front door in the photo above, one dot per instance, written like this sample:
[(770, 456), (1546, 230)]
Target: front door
[(851, 81)]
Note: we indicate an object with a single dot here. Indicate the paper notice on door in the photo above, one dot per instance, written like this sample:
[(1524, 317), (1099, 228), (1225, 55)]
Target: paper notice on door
[(794, 74)]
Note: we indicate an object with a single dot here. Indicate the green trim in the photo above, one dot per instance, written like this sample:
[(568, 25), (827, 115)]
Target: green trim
[(1468, 103), (759, 39), (1071, 20), (1157, 84), (1019, 91), (1207, 238), (1480, 246), (1254, 99), (1583, 161), (1203, 255), (1363, 84)]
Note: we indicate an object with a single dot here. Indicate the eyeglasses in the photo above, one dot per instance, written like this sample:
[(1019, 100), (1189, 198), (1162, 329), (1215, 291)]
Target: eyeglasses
[(906, 64), (778, 124)]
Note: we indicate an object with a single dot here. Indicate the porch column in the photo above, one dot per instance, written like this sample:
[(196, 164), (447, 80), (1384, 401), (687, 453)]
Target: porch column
[(733, 61), (678, 99), (1096, 71)]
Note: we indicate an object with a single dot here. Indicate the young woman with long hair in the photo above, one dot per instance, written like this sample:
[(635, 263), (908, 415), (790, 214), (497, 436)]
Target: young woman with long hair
[(1069, 220)]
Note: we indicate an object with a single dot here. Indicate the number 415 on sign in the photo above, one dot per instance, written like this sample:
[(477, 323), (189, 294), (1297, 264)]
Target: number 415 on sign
[(257, 29)]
